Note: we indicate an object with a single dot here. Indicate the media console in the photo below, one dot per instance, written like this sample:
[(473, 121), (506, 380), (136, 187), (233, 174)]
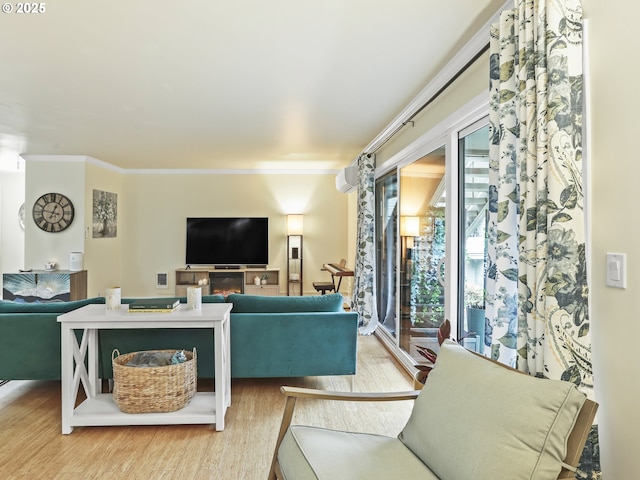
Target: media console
[(224, 281)]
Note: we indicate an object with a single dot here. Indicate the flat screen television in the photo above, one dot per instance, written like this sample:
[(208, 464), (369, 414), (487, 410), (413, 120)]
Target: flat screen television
[(225, 241)]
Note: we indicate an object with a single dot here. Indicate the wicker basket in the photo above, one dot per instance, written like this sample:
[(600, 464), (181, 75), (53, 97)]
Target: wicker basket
[(153, 389)]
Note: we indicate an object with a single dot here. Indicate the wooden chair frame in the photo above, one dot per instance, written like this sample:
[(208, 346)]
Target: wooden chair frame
[(293, 393), (575, 444)]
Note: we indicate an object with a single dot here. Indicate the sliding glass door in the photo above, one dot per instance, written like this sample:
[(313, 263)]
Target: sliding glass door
[(430, 230), (422, 252), (386, 228), (473, 153)]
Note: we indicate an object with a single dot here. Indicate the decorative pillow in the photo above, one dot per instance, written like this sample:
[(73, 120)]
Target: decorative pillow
[(475, 419), (46, 307), (265, 304)]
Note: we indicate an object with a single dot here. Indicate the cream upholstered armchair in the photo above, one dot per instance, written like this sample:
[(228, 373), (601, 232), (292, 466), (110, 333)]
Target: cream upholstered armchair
[(474, 418)]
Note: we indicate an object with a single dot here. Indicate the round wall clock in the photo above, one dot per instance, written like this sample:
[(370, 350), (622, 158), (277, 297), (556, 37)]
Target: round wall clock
[(21, 216), (53, 212)]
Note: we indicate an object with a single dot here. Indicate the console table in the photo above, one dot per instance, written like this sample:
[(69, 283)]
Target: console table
[(99, 408)]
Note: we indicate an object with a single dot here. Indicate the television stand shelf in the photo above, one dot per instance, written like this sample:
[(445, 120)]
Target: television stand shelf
[(224, 281)]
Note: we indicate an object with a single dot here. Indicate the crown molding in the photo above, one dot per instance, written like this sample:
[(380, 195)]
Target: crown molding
[(178, 171), (173, 171)]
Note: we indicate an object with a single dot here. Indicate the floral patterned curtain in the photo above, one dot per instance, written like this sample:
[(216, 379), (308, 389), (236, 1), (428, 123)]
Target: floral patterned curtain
[(362, 298), (537, 288)]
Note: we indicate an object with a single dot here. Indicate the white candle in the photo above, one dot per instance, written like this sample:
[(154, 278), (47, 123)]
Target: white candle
[(194, 298), (113, 296)]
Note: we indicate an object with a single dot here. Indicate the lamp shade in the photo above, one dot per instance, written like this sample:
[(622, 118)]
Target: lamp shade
[(409, 226), (294, 224)]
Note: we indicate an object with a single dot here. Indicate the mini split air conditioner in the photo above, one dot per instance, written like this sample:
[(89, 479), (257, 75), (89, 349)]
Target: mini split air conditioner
[(347, 179)]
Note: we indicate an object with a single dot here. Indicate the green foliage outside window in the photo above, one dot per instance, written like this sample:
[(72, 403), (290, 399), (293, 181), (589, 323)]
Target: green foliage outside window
[(427, 294)]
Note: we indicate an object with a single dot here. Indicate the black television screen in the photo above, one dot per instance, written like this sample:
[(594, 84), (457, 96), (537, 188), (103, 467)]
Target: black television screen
[(227, 241)]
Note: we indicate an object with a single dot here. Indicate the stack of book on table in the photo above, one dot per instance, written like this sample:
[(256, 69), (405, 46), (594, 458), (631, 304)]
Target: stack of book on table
[(154, 305)]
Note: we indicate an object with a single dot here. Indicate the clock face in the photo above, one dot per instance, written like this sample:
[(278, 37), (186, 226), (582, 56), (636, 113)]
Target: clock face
[(53, 212)]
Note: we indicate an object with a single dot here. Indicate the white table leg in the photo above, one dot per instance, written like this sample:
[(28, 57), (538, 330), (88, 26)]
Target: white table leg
[(95, 386), (80, 373), (226, 325), (72, 375), (219, 345), (66, 373)]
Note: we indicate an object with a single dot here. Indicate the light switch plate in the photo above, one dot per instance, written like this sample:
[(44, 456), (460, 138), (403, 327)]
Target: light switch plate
[(616, 272)]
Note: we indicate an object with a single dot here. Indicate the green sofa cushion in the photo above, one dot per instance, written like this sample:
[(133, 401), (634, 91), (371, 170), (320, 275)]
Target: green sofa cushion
[(205, 299), (279, 304), (476, 419), (208, 299), (46, 307)]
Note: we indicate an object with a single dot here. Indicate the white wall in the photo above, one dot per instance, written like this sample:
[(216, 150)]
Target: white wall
[(156, 206), (152, 210), (61, 174), (12, 185), (615, 227), (103, 256)]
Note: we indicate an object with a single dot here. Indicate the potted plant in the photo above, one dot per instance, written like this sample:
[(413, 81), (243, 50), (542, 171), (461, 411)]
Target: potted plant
[(474, 302), (420, 377), (444, 332)]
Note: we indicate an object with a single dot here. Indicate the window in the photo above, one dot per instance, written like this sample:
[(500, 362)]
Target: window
[(386, 227), (431, 207), (473, 152), (422, 251)]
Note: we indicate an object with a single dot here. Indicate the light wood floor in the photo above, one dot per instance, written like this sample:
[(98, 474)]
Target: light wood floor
[(32, 447)]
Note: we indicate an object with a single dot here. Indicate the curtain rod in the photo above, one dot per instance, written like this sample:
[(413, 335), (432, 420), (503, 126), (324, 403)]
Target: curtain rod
[(430, 100), (472, 50)]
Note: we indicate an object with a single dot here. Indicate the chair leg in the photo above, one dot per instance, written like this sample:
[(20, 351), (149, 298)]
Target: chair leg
[(284, 425)]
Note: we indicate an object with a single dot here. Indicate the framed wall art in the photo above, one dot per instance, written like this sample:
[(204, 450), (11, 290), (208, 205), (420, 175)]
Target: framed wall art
[(105, 214)]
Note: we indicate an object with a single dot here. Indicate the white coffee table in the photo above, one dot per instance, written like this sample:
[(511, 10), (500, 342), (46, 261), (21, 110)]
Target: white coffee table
[(99, 408)]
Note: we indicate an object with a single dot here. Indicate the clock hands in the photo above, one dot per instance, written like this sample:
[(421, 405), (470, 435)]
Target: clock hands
[(52, 212)]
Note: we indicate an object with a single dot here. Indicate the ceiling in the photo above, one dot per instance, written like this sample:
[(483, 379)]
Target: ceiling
[(206, 84)]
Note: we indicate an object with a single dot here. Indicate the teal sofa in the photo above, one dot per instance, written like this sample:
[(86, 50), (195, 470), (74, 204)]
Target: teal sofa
[(30, 338), (270, 337)]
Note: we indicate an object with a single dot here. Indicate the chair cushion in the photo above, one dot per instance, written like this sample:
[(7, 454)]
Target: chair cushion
[(476, 419), (317, 453), (265, 304)]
